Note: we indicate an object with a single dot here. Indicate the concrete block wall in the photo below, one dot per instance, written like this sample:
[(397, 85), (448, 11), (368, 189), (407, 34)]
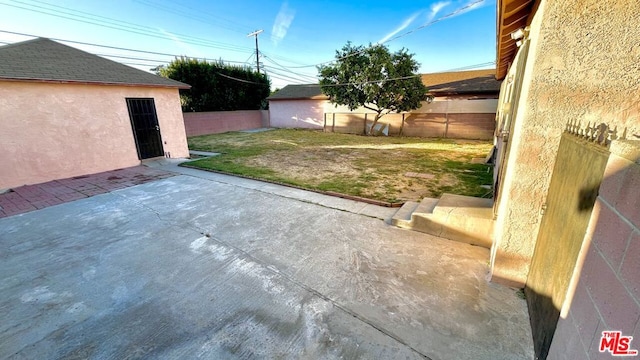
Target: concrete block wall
[(455, 126), (214, 122), (607, 291)]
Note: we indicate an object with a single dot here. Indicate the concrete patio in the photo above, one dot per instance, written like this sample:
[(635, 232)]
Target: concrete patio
[(203, 265)]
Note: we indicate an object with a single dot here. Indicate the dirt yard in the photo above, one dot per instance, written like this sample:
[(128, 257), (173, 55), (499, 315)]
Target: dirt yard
[(393, 169)]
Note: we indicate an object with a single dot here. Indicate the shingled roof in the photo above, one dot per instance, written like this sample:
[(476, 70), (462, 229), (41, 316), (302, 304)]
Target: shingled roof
[(462, 82), (299, 92), (44, 60), (445, 83)]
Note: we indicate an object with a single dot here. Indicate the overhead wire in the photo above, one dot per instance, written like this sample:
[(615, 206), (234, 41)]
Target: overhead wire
[(292, 76), (132, 58), (241, 80), (273, 72), (471, 67), (119, 48), (231, 25), (114, 21), (288, 70), (135, 64), (129, 29)]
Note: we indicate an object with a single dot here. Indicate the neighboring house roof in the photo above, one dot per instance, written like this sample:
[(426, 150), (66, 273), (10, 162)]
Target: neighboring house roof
[(512, 15), (44, 60), (446, 83), (462, 82), (299, 92)]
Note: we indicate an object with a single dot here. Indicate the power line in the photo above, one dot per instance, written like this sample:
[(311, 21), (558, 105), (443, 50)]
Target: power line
[(232, 27), (118, 48), (286, 69), (87, 20), (135, 64), (133, 58), (113, 21), (292, 73), (241, 80), (271, 71), (367, 82), (471, 67)]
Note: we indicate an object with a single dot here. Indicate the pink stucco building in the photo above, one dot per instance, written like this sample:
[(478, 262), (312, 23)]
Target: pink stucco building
[(65, 113)]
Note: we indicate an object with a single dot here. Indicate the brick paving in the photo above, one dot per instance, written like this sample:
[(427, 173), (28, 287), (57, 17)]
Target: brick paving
[(33, 197)]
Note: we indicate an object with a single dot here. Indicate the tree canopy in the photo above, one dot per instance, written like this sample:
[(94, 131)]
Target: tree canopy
[(374, 78), (216, 86)]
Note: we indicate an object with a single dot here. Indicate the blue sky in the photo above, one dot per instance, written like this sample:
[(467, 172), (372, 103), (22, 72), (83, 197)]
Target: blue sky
[(298, 34)]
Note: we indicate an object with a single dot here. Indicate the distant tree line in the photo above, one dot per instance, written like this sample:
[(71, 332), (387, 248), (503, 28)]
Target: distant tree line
[(216, 86)]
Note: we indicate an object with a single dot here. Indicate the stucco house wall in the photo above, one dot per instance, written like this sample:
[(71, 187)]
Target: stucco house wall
[(581, 65), (50, 131), (297, 113)]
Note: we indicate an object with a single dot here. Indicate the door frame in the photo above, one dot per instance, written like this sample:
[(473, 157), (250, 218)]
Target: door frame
[(158, 148)]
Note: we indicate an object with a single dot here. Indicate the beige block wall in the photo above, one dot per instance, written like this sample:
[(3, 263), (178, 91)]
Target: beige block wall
[(440, 105), (307, 114), (215, 122), (582, 65), (53, 131)]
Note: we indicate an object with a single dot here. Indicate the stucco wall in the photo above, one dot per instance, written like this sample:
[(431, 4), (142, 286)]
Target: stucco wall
[(297, 113), (605, 292), (52, 131), (214, 122), (582, 65)]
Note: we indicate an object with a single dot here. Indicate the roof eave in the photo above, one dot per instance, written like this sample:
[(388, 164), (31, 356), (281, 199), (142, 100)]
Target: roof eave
[(83, 82), (512, 15)]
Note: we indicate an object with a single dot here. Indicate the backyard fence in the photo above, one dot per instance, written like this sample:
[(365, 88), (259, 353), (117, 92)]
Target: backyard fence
[(456, 126), (214, 122)]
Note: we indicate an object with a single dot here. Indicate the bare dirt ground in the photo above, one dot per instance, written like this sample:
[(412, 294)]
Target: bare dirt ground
[(388, 169)]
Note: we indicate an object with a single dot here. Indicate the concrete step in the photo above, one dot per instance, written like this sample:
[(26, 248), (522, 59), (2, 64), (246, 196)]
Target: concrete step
[(455, 217), (451, 204), (402, 218), (426, 206)]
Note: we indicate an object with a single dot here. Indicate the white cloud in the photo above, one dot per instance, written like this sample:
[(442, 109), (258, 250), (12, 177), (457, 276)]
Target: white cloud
[(402, 26), (435, 9), (282, 22)]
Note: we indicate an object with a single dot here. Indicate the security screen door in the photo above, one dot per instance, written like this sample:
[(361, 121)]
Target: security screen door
[(146, 131)]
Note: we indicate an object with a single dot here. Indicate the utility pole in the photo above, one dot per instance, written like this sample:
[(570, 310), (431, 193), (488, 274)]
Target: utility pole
[(255, 33)]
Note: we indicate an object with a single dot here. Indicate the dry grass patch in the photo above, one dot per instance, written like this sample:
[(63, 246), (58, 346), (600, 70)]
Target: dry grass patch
[(372, 167)]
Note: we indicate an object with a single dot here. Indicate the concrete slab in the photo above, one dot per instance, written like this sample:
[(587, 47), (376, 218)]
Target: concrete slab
[(203, 153), (251, 131), (190, 267)]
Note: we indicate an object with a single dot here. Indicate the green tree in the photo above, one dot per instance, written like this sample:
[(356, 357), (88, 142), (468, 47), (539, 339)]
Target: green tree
[(216, 86), (374, 78)]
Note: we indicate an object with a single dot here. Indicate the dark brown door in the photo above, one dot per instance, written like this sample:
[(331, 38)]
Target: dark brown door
[(146, 130)]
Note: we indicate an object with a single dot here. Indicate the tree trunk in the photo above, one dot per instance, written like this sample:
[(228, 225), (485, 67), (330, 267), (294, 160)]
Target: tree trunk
[(375, 122)]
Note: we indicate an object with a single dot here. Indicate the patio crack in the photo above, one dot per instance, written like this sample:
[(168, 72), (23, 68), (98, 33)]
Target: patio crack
[(271, 268)]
